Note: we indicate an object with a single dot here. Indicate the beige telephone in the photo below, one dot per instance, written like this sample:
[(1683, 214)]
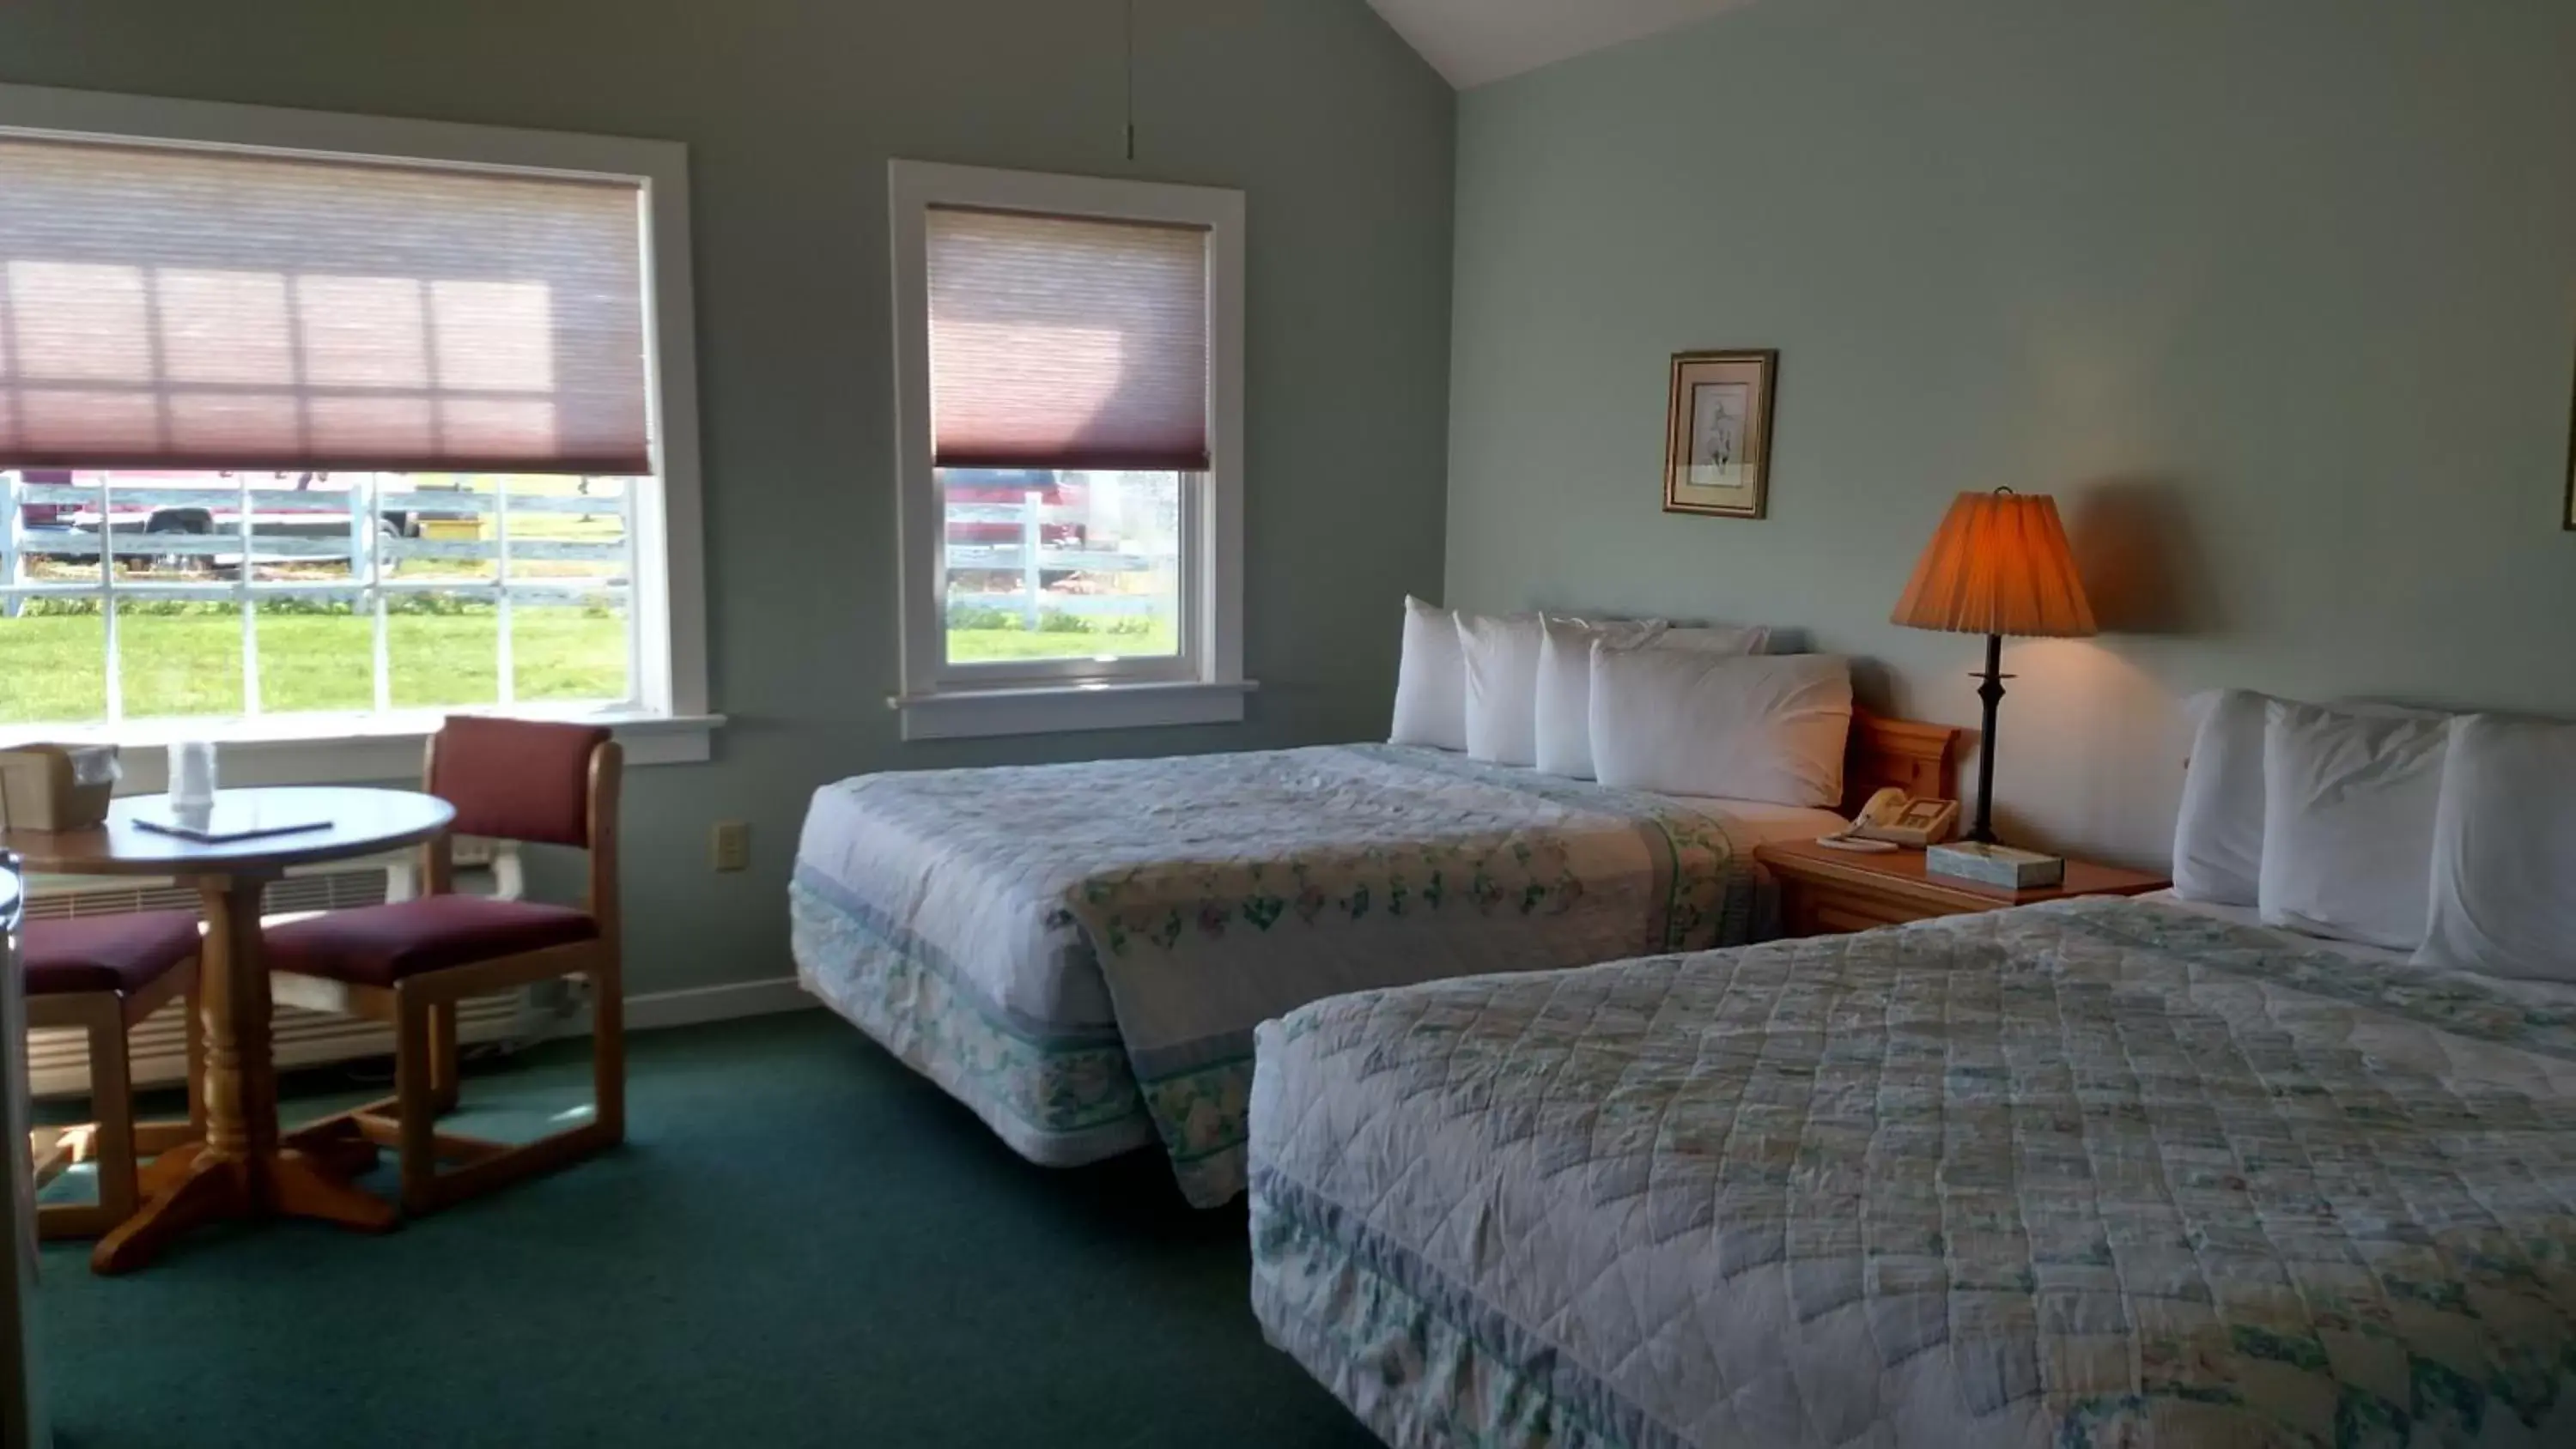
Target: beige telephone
[(1901, 819)]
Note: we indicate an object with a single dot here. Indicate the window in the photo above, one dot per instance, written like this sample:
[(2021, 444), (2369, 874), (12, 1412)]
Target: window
[(314, 428), (1069, 395), (138, 595)]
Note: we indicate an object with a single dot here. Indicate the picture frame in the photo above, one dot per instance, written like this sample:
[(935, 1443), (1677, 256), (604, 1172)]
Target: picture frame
[(1717, 433), (2568, 522)]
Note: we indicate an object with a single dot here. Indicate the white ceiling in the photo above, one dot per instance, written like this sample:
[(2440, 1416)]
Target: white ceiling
[(1475, 41)]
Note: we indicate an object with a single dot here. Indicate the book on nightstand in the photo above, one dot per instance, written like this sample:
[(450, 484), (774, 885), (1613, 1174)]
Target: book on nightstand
[(1995, 865)]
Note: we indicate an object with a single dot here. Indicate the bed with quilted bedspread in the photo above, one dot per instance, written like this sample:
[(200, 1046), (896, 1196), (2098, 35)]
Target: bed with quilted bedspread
[(2089, 1174), (1080, 952)]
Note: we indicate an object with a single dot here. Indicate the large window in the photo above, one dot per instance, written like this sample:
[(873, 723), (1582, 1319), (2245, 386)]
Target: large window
[(1069, 372), (319, 427)]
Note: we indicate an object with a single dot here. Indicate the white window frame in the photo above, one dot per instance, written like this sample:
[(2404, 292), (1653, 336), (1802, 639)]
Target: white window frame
[(670, 722), (1204, 683)]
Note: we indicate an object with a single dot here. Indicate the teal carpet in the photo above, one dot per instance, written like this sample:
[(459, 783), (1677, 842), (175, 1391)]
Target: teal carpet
[(802, 1243)]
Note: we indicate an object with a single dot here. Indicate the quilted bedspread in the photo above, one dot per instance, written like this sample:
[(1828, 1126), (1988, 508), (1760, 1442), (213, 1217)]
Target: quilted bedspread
[(2090, 1174), (1080, 952)]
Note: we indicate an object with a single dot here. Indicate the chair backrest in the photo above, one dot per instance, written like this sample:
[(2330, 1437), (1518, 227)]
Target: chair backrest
[(515, 779)]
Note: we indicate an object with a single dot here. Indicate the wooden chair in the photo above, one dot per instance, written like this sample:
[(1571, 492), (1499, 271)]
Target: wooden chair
[(104, 974), (410, 962)]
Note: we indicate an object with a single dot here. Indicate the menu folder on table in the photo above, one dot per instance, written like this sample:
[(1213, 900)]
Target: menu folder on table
[(218, 826)]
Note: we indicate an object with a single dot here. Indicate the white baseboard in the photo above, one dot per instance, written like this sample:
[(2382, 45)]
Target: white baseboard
[(58, 1058), (655, 1010)]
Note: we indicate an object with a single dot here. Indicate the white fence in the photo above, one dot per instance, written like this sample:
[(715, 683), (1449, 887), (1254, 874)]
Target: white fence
[(339, 523), (1032, 559), (262, 525)]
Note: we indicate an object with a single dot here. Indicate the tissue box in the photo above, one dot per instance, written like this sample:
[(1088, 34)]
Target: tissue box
[(2000, 866), (56, 787)]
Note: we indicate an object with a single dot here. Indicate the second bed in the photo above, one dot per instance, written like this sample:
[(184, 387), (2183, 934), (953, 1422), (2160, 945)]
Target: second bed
[(2089, 1174), (1079, 953)]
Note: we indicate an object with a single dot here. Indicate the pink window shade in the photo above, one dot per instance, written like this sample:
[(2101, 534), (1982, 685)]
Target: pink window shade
[(178, 308), (1062, 342)]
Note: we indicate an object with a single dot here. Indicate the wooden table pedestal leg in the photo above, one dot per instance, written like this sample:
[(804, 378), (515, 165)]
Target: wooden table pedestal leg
[(241, 1170), (167, 1168)]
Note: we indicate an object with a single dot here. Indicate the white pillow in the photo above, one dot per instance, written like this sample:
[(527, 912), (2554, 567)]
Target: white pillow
[(1563, 713), (2348, 804), (1689, 722), (1430, 681), (1715, 638), (2504, 851), (1565, 676), (1502, 687), (2218, 837), (2218, 834)]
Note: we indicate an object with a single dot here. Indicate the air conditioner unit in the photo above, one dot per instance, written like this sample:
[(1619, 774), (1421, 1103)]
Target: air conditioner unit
[(58, 1060)]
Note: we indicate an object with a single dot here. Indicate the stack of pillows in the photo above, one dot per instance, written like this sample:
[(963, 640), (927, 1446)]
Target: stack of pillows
[(1638, 704), (2450, 837)]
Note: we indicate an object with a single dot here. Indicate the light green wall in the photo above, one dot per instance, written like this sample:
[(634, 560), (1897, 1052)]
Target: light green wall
[(2279, 298), (1338, 134)]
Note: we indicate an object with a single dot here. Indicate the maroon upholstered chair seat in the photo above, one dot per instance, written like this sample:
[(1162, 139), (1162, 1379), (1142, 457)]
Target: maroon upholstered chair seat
[(106, 953), (380, 945)]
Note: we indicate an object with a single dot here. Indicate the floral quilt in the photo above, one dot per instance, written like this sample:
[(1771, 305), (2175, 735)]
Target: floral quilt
[(2092, 1174), (1080, 952)]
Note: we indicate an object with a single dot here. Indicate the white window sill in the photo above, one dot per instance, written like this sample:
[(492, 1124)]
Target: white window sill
[(973, 714), (345, 749)]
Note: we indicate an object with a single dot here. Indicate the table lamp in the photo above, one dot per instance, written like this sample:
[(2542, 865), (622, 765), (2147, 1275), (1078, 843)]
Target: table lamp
[(1999, 565)]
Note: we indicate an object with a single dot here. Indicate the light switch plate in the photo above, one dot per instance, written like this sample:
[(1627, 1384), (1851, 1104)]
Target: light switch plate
[(731, 846)]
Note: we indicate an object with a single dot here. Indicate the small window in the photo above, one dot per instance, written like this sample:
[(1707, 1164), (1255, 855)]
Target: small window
[(1069, 375), (1077, 569)]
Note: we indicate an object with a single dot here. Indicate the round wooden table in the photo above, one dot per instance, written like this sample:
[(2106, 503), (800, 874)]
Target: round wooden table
[(243, 1168)]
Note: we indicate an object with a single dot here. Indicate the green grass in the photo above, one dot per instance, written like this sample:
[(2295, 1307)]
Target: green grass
[(969, 646), (53, 668)]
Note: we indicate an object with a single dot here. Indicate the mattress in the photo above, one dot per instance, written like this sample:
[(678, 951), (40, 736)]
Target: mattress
[(1749, 823), (1079, 953), (2093, 1173)]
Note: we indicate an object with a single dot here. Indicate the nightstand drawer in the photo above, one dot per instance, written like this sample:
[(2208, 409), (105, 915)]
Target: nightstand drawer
[(1811, 909)]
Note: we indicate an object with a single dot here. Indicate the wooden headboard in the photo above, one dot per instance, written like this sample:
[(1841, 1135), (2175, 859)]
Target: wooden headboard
[(1917, 758)]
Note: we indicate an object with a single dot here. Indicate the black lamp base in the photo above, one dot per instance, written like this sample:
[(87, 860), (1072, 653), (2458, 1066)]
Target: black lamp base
[(1990, 689)]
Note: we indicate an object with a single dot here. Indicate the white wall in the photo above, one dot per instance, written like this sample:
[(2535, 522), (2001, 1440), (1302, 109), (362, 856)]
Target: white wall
[(2278, 299)]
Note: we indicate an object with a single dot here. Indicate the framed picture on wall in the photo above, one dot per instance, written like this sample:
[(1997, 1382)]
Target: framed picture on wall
[(2569, 522), (1717, 433)]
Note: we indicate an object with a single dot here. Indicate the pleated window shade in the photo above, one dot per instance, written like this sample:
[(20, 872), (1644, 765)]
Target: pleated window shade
[(167, 307), (1065, 342)]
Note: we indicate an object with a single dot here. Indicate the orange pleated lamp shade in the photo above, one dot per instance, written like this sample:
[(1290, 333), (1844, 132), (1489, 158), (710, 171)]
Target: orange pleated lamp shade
[(1999, 565)]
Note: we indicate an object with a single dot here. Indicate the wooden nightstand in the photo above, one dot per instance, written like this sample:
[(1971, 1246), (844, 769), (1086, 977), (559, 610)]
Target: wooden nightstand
[(1825, 892)]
